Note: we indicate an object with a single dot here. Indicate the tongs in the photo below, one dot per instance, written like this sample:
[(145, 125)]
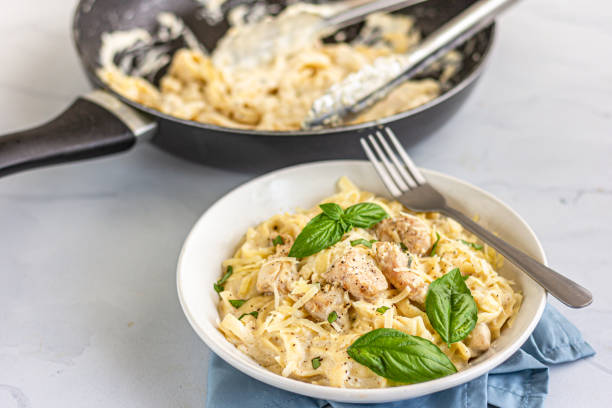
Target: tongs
[(266, 40), (356, 14), (364, 88)]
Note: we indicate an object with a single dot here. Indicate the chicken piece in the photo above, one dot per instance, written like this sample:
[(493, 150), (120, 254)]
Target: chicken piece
[(413, 232), (277, 269), (284, 248), (357, 273), (282, 272), (393, 263), (329, 299), (480, 338)]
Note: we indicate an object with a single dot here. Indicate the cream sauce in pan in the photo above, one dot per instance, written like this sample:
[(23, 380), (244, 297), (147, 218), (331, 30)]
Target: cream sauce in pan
[(275, 93)]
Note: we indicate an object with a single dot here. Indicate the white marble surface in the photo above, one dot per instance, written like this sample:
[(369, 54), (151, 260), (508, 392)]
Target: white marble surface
[(88, 309)]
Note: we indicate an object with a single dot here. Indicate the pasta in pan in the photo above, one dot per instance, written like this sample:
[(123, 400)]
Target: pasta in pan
[(277, 95), (297, 316)]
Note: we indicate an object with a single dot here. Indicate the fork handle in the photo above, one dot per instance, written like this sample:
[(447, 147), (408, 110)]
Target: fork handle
[(564, 289)]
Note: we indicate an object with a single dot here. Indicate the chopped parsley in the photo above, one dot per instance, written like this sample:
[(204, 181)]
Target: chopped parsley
[(278, 240), (332, 317), (435, 245), (382, 309), (404, 247), (363, 242), (316, 362), (474, 245), (237, 302), (219, 284), (254, 313)]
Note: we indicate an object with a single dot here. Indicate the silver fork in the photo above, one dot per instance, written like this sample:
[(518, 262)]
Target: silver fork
[(406, 183)]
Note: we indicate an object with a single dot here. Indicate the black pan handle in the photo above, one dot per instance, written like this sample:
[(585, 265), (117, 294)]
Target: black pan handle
[(96, 124)]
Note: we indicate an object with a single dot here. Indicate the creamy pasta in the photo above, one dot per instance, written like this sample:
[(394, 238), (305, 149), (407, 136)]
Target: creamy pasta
[(277, 95), (283, 322)]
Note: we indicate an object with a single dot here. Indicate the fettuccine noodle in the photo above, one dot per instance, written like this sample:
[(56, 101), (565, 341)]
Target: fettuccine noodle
[(285, 335)]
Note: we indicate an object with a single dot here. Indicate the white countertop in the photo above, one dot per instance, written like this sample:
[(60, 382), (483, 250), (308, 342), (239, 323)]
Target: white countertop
[(88, 309)]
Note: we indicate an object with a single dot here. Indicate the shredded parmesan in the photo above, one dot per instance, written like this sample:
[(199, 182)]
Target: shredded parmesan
[(285, 337), (307, 296)]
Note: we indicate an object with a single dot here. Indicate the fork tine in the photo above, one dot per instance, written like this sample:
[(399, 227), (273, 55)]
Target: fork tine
[(407, 160), (392, 170), (382, 173), (400, 168)]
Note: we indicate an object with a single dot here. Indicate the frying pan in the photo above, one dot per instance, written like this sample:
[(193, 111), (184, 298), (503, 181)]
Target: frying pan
[(103, 122)]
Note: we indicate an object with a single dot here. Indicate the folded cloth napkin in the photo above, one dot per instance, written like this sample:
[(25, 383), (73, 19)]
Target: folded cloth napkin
[(521, 381)]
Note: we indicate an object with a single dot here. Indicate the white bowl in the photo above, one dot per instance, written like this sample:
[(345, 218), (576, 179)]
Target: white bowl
[(217, 233)]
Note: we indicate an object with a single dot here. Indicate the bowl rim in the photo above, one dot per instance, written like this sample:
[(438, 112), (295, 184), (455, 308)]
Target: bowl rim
[(369, 395)]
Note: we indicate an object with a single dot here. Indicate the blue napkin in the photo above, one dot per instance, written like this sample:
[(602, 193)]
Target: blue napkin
[(521, 381)]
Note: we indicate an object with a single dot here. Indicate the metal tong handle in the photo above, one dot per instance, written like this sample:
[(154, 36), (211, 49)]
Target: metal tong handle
[(356, 14), (452, 34)]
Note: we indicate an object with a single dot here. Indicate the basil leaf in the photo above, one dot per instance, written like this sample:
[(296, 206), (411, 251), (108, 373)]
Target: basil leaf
[(332, 317), (382, 309), (346, 227), (316, 362), (364, 215), (327, 228), (278, 240), (435, 245), (400, 357), (477, 247), (320, 233), (332, 210), (450, 307), (219, 284), (254, 313), (237, 302), (364, 242)]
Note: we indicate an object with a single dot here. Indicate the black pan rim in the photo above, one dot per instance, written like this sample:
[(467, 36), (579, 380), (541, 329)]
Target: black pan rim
[(470, 78)]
